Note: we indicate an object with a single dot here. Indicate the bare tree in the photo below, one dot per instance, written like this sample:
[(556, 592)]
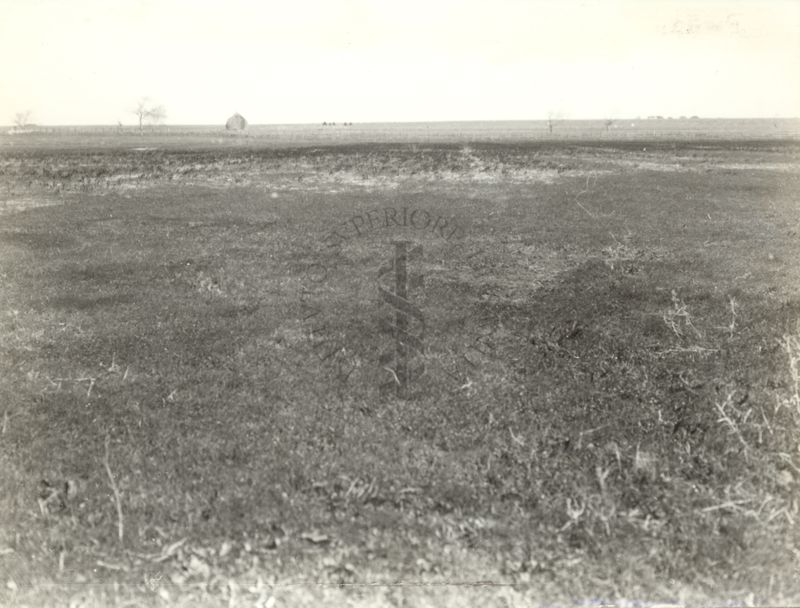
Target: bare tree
[(608, 122), (552, 117), (141, 111), (21, 119), (145, 110)]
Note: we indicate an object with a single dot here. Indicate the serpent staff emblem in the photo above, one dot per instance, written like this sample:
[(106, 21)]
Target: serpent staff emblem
[(408, 328)]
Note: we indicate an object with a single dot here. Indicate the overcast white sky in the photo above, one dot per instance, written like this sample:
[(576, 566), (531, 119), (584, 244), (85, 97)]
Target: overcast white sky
[(88, 61)]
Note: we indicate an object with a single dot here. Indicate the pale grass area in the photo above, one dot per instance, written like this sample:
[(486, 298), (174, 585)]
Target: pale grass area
[(12, 205)]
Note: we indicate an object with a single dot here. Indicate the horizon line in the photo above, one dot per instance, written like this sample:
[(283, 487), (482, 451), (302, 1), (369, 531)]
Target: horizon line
[(400, 122)]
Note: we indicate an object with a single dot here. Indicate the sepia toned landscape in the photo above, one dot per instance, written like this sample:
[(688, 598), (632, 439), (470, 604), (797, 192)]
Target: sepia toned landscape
[(202, 401)]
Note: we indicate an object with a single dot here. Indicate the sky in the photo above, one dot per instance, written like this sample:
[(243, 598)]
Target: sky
[(308, 61)]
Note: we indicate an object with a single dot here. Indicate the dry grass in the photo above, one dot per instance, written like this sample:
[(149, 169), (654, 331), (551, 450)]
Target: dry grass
[(609, 411)]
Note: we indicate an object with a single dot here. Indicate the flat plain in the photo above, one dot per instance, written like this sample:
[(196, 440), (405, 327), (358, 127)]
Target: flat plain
[(193, 395)]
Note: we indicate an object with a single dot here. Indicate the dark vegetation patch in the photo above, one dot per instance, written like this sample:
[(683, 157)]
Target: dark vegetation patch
[(75, 170), (50, 239), (75, 302)]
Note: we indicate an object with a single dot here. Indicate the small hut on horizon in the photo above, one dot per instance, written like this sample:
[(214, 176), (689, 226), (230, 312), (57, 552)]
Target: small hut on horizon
[(236, 122)]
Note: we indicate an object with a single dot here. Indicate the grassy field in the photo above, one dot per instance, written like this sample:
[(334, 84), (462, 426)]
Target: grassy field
[(192, 408)]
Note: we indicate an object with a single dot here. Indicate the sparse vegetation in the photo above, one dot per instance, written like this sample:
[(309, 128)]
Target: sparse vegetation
[(610, 409)]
